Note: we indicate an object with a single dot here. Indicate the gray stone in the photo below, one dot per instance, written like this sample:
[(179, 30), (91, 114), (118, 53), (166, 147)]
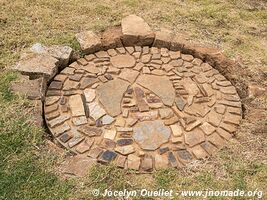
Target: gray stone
[(112, 100), (37, 65), (107, 119), (180, 103), (151, 134), (96, 111), (122, 142), (62, 53), (107, 156), (38, 48)]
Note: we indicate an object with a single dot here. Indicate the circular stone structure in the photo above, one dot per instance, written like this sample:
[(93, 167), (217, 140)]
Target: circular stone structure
[(142, 108)]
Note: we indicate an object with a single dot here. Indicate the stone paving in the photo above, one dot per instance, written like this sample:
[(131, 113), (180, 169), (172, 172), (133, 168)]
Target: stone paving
[(143, 108)]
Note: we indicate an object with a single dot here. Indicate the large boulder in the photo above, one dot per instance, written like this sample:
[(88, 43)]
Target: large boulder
[(135, 31), (37, 65), (63, 53)]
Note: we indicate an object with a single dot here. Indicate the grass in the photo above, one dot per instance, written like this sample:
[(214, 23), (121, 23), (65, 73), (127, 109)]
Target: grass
[(29, 171), (21, 171)]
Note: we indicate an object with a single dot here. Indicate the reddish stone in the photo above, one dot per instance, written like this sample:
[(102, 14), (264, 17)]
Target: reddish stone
[(111, 38)]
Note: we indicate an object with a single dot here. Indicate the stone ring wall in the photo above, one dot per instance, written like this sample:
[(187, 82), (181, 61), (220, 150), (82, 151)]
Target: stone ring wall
[(142, 100)]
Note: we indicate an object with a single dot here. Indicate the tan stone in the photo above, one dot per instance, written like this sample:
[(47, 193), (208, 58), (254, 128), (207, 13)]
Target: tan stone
[(123, 61), (194, 137), (51, 100), (226, 135), (136, 31), (57, 121), (161, 161), (210, 148), (120, 161), (147, 164), (176, 130), (216, 140), (193, 125), (91, 68), (133, 162), (171, 120), (88, 41), (120, 122), (89, 95), (78, 166), (165, 113), (207, 128), (84, 146), (129, 75), (214, 118), (177, 140), (232, 119), (109, 134), (199, 152), (76, 105), (145, 116)]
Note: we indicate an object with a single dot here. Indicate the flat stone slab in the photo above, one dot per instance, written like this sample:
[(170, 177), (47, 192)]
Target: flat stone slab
[(123, 61), (161, 86), (150, 135), (76, 105), (112, 100)]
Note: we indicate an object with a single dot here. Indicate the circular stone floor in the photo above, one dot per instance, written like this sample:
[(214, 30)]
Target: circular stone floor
[(142, 108)]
